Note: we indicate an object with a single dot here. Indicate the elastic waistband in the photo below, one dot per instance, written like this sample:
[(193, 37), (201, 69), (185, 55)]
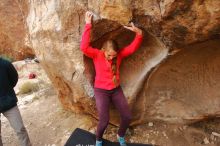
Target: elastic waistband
[(104, 90)]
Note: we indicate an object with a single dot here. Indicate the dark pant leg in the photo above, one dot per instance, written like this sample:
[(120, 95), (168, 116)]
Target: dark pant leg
[(121, 104), (102, 104)]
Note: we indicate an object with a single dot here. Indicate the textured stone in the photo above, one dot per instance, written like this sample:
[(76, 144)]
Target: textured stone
[(13, 35), (178, 23), (185, 87)]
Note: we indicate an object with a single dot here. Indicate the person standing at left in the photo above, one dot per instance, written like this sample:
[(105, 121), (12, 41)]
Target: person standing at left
[(8, 102)]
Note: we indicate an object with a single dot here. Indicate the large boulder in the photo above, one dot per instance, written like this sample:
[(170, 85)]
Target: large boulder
[(55, 28)]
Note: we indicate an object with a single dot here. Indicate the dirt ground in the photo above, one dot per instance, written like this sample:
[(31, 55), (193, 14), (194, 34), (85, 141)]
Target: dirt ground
[(48, 124)]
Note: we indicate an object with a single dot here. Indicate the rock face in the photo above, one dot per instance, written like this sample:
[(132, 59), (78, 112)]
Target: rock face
[(179, 23), (185, 87), (13, 35), (181, 89)]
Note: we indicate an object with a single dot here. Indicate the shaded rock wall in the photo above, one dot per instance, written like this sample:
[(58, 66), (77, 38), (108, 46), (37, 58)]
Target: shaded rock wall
[(153, 88), (184, 88), (13, 34)]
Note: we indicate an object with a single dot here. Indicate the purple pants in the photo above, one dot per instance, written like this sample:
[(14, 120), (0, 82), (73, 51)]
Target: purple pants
[(103, 98)]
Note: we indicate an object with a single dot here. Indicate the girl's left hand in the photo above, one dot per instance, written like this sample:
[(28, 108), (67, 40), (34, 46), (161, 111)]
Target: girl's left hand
[(134, 28)]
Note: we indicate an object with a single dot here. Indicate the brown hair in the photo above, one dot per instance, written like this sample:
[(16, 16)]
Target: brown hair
[(113, 45)]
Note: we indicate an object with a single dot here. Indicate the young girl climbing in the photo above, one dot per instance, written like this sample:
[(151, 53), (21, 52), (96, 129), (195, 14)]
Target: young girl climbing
[(107, 81)]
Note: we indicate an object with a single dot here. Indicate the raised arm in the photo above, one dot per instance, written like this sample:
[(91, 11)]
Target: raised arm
[(85, 41), (135, 44)]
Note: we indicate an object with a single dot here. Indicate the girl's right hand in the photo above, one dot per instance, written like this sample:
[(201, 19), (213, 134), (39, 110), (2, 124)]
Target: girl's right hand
[(88, 17)]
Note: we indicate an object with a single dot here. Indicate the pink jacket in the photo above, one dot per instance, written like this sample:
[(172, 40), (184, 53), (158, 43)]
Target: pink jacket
[(104, 75)]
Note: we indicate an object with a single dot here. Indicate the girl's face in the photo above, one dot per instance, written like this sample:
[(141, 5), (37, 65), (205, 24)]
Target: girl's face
[(110, 54)]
